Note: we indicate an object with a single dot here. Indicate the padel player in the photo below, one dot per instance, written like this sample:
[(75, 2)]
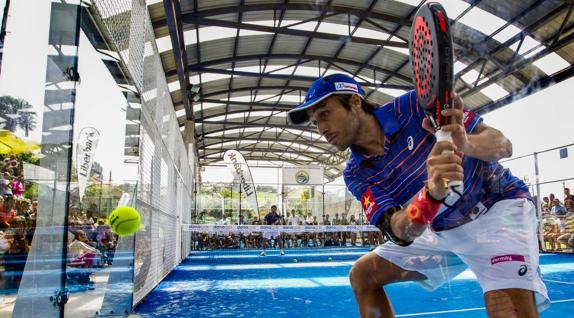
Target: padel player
[(397, 168)]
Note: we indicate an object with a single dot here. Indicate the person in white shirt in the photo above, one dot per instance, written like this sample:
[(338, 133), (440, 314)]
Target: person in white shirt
[(293, 219)]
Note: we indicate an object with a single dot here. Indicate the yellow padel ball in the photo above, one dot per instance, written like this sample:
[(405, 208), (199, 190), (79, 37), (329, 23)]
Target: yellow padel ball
[(124, 220)]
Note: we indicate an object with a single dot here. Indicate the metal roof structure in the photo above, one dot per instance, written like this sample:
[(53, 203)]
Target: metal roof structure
[(235, 66)]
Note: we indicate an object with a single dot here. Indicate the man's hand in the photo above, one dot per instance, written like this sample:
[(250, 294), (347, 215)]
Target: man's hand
[(456, 125), (444, 164)]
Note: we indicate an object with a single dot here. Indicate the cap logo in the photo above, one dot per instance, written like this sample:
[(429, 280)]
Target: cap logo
[(343, 86)]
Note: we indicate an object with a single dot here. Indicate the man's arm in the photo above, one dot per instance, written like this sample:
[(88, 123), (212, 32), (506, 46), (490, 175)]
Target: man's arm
[(484, 142), (404, 225), (442, 164), (488, 144)]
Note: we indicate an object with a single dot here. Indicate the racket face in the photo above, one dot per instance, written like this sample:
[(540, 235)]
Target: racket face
[(431, 58)]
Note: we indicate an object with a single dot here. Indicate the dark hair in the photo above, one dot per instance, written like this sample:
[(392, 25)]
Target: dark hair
[(345, 99)]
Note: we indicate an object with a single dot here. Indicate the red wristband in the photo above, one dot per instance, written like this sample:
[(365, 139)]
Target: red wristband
[(422, 209)]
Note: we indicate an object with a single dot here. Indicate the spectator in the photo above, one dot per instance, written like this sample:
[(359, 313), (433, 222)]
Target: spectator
[(552, 227), (353, 221), (568, 200), (545, 205), (567, 234), (326, 220), (309, 219), (558, 209), (6, 184), (80, 250), (551, 198), (18, 186), (5, 216)]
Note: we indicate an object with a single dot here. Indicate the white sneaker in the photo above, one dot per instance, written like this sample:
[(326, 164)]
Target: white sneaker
[(282, 253), (263, 254)]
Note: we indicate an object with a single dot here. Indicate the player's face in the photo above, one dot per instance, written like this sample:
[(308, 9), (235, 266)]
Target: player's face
[(338, 125)]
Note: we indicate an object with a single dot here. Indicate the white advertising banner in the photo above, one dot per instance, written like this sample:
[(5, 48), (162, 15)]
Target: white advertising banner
[(235, 161), (304, 175), (86, 150)]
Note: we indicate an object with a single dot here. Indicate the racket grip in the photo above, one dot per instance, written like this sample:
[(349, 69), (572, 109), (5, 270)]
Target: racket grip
[(456, 188)]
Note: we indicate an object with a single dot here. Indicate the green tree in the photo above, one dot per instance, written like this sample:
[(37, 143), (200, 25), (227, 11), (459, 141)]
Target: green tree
[(305, 197)]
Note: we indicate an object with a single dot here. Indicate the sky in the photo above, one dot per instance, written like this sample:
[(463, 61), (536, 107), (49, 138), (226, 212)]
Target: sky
[(535, 123), (99, 102)]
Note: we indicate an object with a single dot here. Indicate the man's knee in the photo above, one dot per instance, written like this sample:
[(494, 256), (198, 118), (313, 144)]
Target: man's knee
[(510, 303), (360, 278), (372, 272)]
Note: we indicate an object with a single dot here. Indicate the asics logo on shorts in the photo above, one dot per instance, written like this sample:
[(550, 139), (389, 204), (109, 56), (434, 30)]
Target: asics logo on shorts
[(522, 271)]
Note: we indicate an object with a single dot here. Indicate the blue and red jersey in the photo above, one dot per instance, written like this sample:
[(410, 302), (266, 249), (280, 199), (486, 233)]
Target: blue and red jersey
[(392, 179)]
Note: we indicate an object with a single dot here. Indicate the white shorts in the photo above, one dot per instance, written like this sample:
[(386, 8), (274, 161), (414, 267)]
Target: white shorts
[(271, 234), (500, 248)]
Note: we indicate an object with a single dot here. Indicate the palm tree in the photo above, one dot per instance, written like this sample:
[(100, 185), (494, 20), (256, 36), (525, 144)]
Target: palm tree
[(17, 112), (27, 121)]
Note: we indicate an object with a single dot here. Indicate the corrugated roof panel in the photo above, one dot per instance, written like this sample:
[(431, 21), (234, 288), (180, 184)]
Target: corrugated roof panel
[(250, 45), (288, 44), (323, 47), (214, 50), (357, 52)]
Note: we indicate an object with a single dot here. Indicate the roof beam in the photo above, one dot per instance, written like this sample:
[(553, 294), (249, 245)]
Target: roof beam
[(229, 112), (290, 77), (309, 143), (174, 24), (484, 54), (242, 89), (502, 73), (257, 57), (294, 32), (265, 106), (288, 6), (260, 125), (529, 89)]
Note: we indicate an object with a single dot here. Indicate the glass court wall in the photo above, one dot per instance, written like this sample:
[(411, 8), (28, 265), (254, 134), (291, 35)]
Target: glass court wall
[(86, 119)]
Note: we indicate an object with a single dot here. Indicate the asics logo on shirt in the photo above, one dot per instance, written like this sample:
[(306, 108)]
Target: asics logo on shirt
[(410, 142)]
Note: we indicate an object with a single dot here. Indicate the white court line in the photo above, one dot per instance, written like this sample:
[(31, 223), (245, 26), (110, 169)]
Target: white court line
[(441, 312), (557, 281), (563, 301), (467, 309)]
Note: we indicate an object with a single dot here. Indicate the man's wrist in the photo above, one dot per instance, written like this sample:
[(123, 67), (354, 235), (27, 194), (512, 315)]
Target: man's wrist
[(434, 197)]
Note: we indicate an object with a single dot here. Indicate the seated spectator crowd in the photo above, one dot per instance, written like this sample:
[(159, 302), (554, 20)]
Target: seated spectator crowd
[(558, 222)]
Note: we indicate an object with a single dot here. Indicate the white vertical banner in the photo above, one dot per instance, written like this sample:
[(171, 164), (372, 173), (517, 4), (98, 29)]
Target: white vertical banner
[(85, 152), (303, 175), (238, 166)]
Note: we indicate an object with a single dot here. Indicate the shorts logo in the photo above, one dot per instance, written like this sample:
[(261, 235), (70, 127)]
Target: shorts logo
[(522, 271), (410, 142), (368, 203), (507, 258), (342, 86)]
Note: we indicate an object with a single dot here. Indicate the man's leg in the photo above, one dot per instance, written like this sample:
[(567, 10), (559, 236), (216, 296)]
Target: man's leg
[(510, 303), (263, 245), (367, 277)]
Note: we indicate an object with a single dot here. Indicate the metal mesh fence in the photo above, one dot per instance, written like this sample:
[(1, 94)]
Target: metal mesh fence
[(124, 21), (165, 178)]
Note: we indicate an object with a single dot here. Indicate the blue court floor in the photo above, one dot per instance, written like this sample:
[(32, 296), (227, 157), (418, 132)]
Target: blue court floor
[(314, 283)]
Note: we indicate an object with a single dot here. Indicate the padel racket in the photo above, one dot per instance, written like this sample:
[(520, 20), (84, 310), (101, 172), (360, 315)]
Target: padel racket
[(431, 56)]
